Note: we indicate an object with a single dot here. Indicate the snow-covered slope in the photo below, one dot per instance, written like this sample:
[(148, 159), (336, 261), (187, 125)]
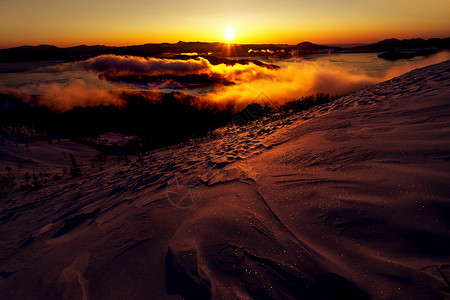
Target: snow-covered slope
[(349, 200)]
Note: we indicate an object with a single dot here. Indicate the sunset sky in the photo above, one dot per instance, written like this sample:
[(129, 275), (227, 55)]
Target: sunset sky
[(114, 22)]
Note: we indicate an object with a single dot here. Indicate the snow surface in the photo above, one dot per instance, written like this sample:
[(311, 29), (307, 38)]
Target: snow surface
[(349, 200)]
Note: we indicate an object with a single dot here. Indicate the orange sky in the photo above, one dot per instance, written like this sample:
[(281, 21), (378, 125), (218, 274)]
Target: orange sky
[(113, 22)]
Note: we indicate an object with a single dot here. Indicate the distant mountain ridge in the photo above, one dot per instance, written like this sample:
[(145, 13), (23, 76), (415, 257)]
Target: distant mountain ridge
[(416, 43), (49, 52)]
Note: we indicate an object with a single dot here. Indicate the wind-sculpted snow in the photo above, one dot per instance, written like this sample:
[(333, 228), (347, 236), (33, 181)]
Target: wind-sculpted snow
[(348, 200)]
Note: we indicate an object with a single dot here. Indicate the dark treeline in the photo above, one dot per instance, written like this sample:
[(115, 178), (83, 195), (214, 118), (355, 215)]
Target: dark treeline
[(158, 121), (169, 119)]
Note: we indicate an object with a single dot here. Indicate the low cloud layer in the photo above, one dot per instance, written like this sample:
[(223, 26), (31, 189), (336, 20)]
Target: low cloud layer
[(134, 65), (65, 96), (278, 86), (300, 79)]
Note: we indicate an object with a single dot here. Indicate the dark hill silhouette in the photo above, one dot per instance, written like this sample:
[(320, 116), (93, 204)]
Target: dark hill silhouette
[(312, 46), (306, 48), (48, 52), (393, 44), (394, 49)]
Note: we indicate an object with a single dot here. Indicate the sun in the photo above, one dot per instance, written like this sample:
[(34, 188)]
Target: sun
[(229, 34)]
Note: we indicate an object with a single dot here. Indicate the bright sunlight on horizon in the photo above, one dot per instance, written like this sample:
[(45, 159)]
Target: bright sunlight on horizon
[(229, 34)]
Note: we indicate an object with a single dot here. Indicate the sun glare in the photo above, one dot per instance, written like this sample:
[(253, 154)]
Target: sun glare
[(229, 34)]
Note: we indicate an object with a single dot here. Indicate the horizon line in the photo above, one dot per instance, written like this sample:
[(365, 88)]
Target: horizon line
[(180, 41)]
